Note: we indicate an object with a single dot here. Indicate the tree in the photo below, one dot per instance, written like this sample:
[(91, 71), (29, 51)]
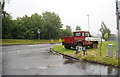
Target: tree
[(104, 30), (66, 32), (27, 26), (106, 35), (36, 23), (52, 25), (7, 25), (68, 28), (7, 22), (78, 28)]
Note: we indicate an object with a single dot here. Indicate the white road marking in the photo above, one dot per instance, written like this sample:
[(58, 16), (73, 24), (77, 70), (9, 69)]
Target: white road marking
[(3, 47), (31, 67), (20, 51), (17, 51), (43, 48), (41, 67)]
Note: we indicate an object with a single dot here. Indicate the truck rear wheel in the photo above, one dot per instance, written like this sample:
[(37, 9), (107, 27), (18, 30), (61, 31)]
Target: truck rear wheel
[(67, 47), (95, 45)]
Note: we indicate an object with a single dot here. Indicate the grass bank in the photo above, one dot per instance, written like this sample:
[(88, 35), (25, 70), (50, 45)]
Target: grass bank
[(25, 41), (93, 55)]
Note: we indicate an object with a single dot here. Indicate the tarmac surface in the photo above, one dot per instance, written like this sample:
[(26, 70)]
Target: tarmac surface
[(38, 60)]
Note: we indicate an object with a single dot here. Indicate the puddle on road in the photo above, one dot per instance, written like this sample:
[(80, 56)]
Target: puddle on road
[(91, 68), (51, 65), (69, 61)]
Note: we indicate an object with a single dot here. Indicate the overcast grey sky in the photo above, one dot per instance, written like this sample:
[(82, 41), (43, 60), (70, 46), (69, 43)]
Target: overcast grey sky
[(71, 12)]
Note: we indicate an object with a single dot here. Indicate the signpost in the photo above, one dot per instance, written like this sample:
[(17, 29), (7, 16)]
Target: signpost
[(38, 33), (100, 46)]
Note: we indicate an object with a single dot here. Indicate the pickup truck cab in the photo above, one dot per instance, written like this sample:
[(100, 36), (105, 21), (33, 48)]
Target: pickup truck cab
[(78, 38)]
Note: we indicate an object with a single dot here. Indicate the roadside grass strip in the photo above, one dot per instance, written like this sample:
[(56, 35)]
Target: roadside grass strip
[(25, 41), (93, 55)]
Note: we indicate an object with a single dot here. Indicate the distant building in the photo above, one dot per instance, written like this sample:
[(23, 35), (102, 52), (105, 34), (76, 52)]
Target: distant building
[(112, 37)]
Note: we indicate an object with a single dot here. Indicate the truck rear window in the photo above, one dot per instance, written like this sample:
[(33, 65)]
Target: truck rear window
[(77, 34)]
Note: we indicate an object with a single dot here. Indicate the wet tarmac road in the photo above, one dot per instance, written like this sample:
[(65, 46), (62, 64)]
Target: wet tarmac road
[(37, 60)]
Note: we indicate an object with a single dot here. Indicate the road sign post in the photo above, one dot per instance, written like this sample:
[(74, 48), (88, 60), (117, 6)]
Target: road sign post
[(38, 33)]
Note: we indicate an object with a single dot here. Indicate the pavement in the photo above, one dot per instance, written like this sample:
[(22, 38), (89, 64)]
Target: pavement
[(38, 60)]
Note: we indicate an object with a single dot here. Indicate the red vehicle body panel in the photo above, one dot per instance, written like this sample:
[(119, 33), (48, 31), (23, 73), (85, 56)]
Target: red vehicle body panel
[(75, 39), (68, 39)]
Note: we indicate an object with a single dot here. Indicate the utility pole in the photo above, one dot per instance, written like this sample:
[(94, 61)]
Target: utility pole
[(118, 28), (88, 22), (0, 19)]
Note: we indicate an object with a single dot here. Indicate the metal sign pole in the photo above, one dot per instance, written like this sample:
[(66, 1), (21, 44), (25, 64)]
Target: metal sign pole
[(0, 20), (88, 22), (100, 46), (118, 28)]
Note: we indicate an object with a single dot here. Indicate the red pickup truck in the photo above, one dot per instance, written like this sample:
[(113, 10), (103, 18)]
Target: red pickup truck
[(78, 38)]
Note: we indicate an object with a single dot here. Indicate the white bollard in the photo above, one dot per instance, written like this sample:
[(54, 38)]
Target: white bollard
[(110, 50)]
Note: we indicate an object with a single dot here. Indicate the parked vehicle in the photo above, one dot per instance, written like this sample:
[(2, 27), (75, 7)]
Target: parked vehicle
[(79, 38)]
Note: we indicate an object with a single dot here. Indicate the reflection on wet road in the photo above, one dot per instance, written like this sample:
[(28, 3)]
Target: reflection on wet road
[(37, 60)]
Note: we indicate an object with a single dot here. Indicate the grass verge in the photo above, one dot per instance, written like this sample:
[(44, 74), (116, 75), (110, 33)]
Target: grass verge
[(93, 55), (24, 41)]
